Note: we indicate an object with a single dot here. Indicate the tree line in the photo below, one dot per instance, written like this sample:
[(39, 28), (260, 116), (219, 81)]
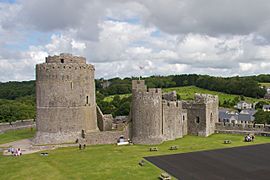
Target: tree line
[(21, 95)]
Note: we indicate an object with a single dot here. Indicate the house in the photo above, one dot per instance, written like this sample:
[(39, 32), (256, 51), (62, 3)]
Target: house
[(266, 108), (244, 105), (244, 117)]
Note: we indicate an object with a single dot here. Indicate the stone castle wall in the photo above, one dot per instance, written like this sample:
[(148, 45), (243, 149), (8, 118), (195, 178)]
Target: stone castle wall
[(202, 114), (20, 124), (106, 137), (147, 116), (185, 122), (66, 102), (242, 128), (172, 120)]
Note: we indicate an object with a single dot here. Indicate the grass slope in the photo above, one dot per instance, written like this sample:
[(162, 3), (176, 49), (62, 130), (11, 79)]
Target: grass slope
[(14, 135), (107, 161), (265, 84), (187, 93)]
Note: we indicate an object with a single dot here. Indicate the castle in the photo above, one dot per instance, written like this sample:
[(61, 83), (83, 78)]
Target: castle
[(156, 118), (67, 110)]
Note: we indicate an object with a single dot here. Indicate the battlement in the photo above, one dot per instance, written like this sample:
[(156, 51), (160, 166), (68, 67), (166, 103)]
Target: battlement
[(69, 66), (246, 127), (175, 104), (139, 85), (205, 98), (64, 58)]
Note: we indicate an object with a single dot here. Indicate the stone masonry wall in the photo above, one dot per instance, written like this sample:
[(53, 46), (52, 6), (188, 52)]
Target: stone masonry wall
[(172, 120), (65, 93), (106, 137), (242, 128), (20, 124), (147, 116)]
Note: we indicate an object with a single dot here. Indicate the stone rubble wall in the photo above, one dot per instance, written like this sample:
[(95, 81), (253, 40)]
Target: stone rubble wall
[(147, 116), (172, 120), (20, 124), (106, 137), (220, 127)]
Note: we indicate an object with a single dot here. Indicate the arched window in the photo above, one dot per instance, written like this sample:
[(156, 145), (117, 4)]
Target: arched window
[(86, 99), (183, 118)]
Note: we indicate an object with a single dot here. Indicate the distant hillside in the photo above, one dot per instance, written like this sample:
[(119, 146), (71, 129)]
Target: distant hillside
[(187, 93), (13, 90), (17, 99)]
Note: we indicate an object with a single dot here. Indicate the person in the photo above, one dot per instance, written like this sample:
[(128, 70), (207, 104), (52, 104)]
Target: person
[(19, 152), (80, 146), (252, 137), (12, 150)]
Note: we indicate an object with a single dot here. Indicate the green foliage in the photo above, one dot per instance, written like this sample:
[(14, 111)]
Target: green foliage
[(13, 90), (262, 117), (12, 110), (23, 101), (260, 104), (14, 135), (108, 161), (235, 85), (116, 105)]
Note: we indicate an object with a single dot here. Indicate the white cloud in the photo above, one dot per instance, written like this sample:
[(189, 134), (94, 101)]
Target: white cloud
[(165, 37)]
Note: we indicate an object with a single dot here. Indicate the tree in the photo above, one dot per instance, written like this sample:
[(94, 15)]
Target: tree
[(262, 117)]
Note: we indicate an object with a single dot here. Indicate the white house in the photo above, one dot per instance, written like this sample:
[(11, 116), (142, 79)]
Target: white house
[(244, 105)]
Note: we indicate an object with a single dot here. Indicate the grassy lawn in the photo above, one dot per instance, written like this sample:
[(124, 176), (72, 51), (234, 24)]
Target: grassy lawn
[(107, 161), (265, 84), (188, 92), (110, 98), (14, 135)]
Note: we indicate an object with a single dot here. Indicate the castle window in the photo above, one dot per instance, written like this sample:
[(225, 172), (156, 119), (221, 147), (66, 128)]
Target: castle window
[(183, 118), (86, 99), (71, 85), (197, 119), (62, 60), (211, 117)]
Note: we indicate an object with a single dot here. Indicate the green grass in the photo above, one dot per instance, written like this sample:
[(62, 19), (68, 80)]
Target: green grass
[(107, 161), (14, 135), (265, 84), (187, 93), (110, 98)]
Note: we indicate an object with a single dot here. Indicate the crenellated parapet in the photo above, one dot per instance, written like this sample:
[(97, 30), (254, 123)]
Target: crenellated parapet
[(64, 72), (65, 58), (172, 104), (146, 114), (205, 98)]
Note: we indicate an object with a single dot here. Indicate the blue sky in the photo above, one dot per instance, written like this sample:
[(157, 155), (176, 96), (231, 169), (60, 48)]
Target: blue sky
[(166, 37)]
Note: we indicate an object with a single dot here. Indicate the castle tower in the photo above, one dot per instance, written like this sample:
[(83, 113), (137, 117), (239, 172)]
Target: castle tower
[(202, 114), (65, 95), (146, 114), (173, 124)]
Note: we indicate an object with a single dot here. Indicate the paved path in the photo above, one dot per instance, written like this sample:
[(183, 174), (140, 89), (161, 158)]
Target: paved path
[(27, 147), (248, 162)]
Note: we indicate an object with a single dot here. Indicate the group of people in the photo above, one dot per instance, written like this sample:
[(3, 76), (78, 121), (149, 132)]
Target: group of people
[(14, 151), (249, 138)]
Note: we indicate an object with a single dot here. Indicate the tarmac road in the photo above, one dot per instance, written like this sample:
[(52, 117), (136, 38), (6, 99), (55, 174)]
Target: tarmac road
[(239, 163)]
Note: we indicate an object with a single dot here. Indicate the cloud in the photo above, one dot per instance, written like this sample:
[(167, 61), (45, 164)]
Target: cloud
[(212, 17), (214, 37)]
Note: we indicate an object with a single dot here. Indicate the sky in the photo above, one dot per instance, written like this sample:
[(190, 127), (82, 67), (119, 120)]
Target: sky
[(163, 37)]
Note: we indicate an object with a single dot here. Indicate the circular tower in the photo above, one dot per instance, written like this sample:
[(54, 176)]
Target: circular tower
[(65, 96), (146, 114)]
